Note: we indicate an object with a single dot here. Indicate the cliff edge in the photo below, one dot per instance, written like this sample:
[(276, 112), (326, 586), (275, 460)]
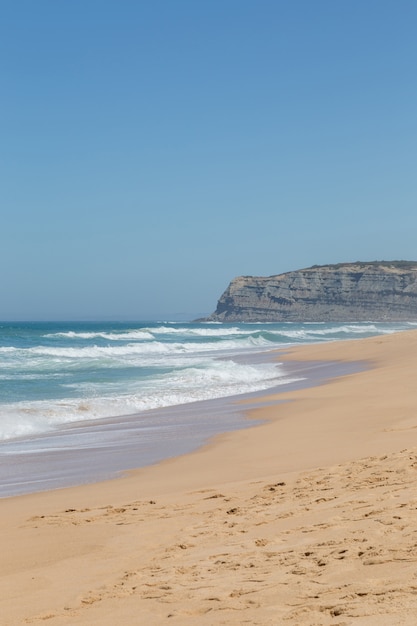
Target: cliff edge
[(362, 291)]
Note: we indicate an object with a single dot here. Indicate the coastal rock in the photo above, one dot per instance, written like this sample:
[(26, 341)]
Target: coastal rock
[(361, 291)]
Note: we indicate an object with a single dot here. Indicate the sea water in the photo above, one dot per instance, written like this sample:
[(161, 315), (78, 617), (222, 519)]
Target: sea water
[(68, 387)]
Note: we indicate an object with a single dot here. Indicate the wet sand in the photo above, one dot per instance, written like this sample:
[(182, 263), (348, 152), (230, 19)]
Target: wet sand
[(92, 451), (307, 518)]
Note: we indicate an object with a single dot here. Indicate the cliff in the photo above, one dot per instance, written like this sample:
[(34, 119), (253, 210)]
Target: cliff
[(376, 291)]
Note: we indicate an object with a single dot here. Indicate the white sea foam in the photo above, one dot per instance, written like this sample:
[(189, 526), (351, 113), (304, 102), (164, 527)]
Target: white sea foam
[(146, 348), (122, 336), (223, 331), (284, 330), (311, 333), (96, 371), (220, 379)]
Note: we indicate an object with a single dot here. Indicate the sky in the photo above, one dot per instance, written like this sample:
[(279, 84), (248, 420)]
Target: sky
[(152, 150)]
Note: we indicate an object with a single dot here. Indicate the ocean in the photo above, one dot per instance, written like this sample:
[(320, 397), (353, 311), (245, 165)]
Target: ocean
[(108, 397)]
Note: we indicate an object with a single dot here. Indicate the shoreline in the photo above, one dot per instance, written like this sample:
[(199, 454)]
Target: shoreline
[(247, 527), (93, 451)]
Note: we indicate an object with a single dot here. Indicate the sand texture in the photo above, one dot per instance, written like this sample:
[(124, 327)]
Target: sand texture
[(308, 519)]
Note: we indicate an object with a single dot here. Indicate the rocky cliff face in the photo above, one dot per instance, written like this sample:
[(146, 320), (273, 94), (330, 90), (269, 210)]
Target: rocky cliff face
[(377, 291)]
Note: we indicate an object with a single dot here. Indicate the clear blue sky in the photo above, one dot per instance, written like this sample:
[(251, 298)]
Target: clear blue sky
[(152, 150)]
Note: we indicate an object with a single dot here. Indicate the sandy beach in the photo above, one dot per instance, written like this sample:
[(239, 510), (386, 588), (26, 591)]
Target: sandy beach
[(308, 517)]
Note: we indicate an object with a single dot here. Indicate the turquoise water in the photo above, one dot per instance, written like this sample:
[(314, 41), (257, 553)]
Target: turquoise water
[(82, 402), (55, 374)]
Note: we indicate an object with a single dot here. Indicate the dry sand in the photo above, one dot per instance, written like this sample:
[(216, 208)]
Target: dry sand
[(307, 519)]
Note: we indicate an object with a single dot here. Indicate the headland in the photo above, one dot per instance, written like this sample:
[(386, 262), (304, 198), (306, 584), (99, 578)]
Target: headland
[(372, 290)]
